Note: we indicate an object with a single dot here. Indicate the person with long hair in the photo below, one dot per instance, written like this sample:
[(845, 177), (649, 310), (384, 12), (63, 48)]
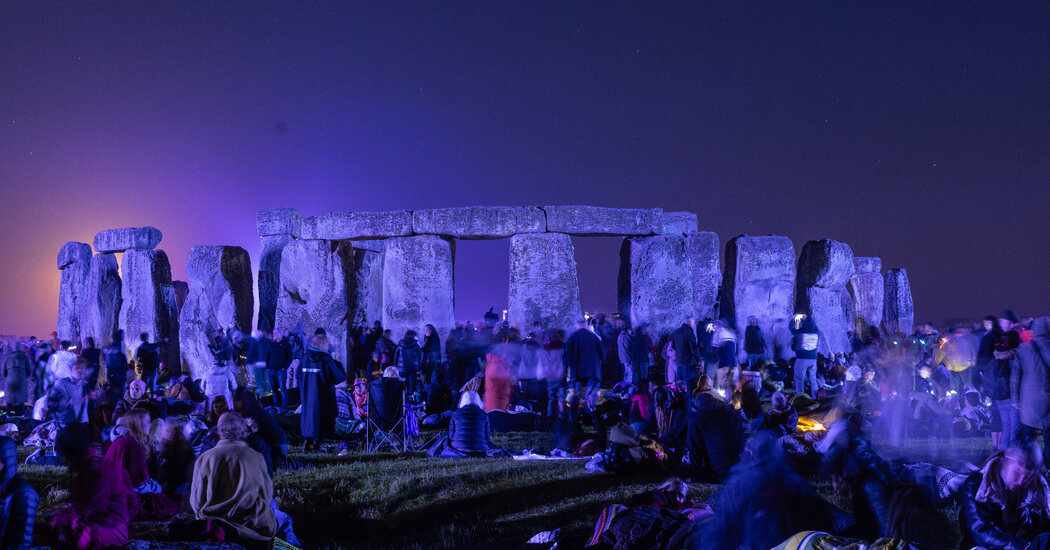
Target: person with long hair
[(1007, 503), (131, 452), (431, 353)]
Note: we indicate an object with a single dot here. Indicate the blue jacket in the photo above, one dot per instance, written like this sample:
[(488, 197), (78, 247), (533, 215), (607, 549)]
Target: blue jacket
[(468, 430), (583, 355)]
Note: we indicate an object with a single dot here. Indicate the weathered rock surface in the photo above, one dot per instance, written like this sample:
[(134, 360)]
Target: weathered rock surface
[(867, 288), (313, 290), (366, 292), (270, 278), (73, 251), (102, 299), (679, 223), (867, 265), (357, 225), (479, 222), (148, 302), (182, 291), (657, 278), (824, 268), (759, 281), (597, 220), (74, 260), (220, 284), (702, 248), (278, 221), (417, 285), (127, 238), (898, 312), (543, 282)]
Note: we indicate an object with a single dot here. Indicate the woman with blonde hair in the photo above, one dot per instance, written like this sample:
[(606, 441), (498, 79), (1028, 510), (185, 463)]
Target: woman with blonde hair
[(130, 452)]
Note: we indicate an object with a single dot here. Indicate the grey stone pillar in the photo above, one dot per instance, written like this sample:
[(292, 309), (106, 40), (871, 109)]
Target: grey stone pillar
[(417, 284), (824, 268), (313, 290), (759, 280), (148, 302), (366, 292), (543, 283), (102, 299), (867, 288), (703, 251), (74, 259), (898, 313), (220, 296), (276, 228), (656, 283)]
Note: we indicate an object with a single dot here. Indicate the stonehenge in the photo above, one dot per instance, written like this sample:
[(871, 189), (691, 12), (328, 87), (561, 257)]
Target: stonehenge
[(343, 269), (824, 268)]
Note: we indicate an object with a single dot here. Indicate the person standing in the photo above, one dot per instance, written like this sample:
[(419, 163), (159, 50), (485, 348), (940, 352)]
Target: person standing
[(1030, 383), (148, 358), (958, 353), (116, 362), (623, 352), (686, 351), (640, 349), (431, 366), (317, 378), (583, 363), (408, 357), (257, 352), (94, 359), (754, 343), (278, 358), (805, 347), (16, 379)]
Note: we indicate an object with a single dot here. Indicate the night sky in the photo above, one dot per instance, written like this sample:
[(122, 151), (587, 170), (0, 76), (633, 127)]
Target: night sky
[(918, 132)]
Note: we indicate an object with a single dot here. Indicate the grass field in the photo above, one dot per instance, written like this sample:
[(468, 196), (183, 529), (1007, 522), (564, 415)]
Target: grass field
[(412, 501)]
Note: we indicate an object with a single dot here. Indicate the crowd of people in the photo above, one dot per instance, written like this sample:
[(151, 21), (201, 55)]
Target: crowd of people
[(145, 441)]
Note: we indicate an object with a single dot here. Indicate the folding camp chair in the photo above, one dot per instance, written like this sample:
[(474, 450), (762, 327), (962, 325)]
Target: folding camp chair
[(385, 423)]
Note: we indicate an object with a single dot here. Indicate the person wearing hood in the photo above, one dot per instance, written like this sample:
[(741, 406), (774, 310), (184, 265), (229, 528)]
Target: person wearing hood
[(317, 377), (408, 358), (134, 399), (17, 367), (804, 345), (714, 435), (18, 501), (1030, 383)]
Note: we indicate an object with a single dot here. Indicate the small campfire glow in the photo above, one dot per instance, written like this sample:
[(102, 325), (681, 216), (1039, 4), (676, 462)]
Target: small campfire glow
[(809, 425)]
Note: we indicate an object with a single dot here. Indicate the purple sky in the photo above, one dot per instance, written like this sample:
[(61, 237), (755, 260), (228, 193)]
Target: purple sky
[(920, 136)]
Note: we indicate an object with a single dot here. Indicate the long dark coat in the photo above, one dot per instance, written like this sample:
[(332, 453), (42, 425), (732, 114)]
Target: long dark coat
[(317, 377), (16, 371)]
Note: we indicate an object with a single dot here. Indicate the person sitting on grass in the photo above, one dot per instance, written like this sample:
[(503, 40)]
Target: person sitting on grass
[(130, 451), (782, 418), (136, 398), (232, 489), (468, 429), (714, 436), (18, 501), (1005, 504), (97, 515)]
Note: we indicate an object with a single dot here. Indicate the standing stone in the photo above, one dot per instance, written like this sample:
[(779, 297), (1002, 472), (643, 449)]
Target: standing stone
[(417, 285), (182, 291), (479, 222), (127, 238), (597, 220), (543, 284), (824, 268), (759, 280), (703, 251), (867, 287), (102, 299), (898, 309), (366, 292), (148, 302), (313, 290), (657, 279), (74, 259), (270, 278), (220, 285)]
